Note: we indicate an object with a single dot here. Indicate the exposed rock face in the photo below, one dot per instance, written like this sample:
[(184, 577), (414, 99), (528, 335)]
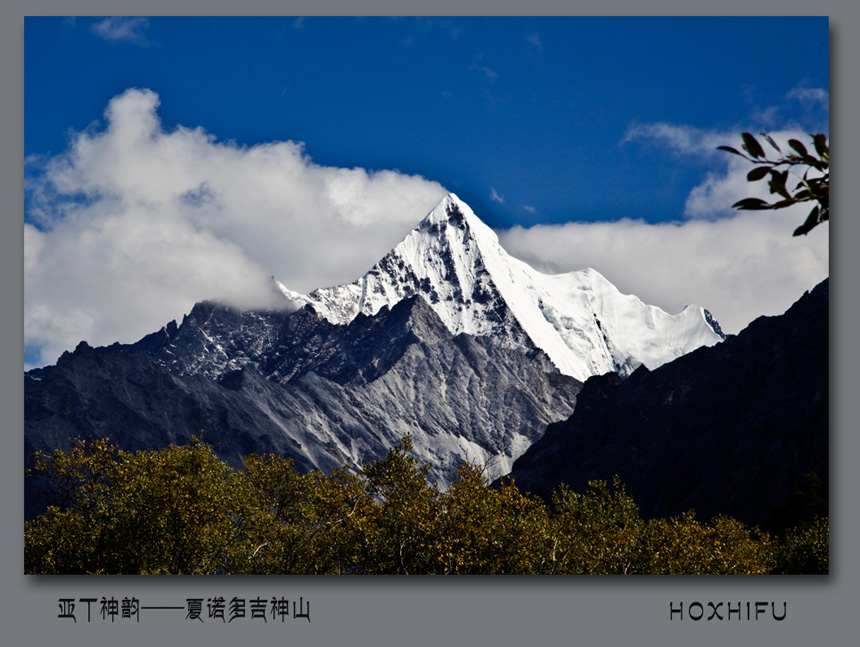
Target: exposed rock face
[(579, 319), (298, 385), (729, 429), (447, 338)]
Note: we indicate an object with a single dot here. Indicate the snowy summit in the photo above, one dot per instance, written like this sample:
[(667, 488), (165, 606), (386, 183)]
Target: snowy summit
[(584, 323)]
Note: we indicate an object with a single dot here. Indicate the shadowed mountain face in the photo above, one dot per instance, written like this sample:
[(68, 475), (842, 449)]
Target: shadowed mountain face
[(730, 429), (295, 384), (447, 338), (580, 320)]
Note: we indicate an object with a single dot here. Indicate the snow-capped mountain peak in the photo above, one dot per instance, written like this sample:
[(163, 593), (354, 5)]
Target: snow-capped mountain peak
[(583, 323), (450, 207)]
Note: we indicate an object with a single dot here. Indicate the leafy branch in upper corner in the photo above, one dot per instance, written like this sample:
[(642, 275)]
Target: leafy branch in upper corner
[(809, 189)]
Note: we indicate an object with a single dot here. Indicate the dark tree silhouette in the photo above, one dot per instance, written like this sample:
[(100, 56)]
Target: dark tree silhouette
[(808, 189)]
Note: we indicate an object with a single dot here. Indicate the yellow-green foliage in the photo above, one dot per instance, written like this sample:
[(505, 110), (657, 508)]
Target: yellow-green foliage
[(806, 549), (168, 511), (183, 510), (598, 532), (682, 545), (398, 534), (299, 523), (486, 530)]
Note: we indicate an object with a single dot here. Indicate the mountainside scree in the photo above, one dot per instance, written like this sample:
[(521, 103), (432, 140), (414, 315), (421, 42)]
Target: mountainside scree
[(447, 338)]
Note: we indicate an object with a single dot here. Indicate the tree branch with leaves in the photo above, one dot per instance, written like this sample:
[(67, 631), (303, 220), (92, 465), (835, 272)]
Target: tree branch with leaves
[(809, 189)]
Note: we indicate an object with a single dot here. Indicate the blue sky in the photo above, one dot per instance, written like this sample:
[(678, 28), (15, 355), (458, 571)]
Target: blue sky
[(542, 125), (535, 109)]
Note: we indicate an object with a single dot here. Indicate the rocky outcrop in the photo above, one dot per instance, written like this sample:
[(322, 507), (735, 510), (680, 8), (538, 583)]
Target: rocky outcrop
[(297, 385), (730, 429)]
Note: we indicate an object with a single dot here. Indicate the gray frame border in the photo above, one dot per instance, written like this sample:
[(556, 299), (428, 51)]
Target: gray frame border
[(428, 611)]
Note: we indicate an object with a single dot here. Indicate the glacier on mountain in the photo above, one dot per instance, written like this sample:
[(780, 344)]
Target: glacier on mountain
[(447, 338), (580, 320)]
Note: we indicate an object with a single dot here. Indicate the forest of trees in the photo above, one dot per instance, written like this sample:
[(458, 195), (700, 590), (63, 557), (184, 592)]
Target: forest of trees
[(182, 510)]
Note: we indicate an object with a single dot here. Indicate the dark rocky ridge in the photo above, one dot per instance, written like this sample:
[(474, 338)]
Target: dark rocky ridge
[(294, 384), (729, 429)]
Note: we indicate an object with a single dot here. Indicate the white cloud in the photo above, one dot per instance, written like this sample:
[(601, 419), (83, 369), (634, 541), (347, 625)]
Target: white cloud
[(120, 28), (679, 138), (726, 182), (713, 197), (768, 117), (811, 96), (495, 197), (739, 267), (529, 208), (489, 74), (136, 224)]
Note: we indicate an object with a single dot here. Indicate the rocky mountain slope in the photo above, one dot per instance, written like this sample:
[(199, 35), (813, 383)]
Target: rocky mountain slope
[(582, 322), (297, 385), (447, 338), (731, 429)]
